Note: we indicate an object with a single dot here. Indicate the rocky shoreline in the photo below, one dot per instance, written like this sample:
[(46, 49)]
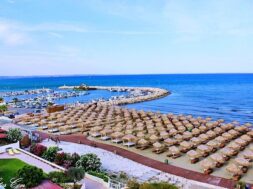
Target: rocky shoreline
[(138, 94)]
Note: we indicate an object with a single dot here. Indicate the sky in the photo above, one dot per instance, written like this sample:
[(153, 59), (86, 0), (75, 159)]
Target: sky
[(69, 37)]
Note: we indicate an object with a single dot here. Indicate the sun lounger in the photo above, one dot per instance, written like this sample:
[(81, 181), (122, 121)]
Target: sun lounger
[(10, 152), (16, 151)]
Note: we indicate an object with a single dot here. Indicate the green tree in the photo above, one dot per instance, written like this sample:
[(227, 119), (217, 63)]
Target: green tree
[(76, 174), (1, 99), (59, 177), (89, 162), (3, 108), (14, 135), (50, 153), (31, 176)]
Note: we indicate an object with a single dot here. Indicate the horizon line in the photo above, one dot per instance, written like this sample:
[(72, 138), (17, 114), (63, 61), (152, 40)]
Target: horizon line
[(75, 75)]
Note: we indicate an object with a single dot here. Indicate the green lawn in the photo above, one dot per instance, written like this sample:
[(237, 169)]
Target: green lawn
[(9, 168)]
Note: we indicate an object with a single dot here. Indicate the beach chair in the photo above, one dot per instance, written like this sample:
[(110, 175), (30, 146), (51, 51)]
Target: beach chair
[(16, 151), (10, 152)]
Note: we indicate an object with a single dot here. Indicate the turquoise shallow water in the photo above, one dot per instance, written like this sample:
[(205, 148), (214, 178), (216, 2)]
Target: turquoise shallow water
[(227, 96)]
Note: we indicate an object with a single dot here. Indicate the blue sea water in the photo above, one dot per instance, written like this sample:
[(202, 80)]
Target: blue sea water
[(226, 96)]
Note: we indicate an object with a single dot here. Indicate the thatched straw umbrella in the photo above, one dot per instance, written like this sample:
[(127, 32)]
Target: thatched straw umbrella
[(174, 152), (170, 126), (218, 159), (129, 131), (193, 155), (218, 130), (244, 163), (181, 129), (213, 144), (142, 144), (248, 154), (207, 166), (246, 138), (140, 134), (152, 131), (203, 129), (235, 170), (116, 136), (250, 133), (227, 153), (195, 141), (227, 136), (129, 140), (164, 134), (251, 147), (209, 125), (105, 134), (187, 135), (241, 143), (173, 132), (204, 150), (204, 138), (221, 140), (242, 129), (195, 132), (234, 133), (158, 148), (185, 146), (234, 146), (170, 142), (211, 134), (153, 138), (178, 138)]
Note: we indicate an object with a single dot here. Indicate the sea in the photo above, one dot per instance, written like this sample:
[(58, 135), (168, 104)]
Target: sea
[(220, 96)]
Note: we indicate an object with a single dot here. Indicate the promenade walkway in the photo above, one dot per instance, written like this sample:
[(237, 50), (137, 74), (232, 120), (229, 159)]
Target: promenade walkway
[(188, 174)]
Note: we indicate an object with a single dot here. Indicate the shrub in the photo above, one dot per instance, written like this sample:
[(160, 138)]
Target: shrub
[(31, 176), (89, 162), (161, 185), (59, 177), (133, 184), (241, 185), (38, 149), (25, 141), (14, 135), (50, 153), (60, 158), (101, 175)]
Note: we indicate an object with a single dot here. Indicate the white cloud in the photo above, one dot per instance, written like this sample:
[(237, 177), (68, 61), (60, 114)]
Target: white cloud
[(209, 17), (10, 35), (54, 34)]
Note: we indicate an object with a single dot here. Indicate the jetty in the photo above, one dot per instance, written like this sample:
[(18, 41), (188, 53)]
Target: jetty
[(136, 94)]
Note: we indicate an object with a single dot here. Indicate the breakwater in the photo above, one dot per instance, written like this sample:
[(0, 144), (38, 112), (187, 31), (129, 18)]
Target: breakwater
[(136, 94)]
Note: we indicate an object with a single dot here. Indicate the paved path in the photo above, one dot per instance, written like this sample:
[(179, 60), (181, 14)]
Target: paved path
[(29, 160), (188, 174), (91, 184)]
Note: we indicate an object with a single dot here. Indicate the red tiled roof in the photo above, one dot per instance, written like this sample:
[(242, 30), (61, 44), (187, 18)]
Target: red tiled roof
[(47, 185)]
